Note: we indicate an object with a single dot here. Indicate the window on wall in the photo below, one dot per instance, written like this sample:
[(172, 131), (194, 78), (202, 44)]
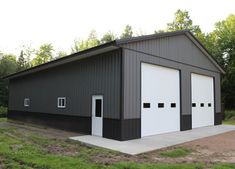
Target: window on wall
[(61, 102), (26, 102), (98, 108)]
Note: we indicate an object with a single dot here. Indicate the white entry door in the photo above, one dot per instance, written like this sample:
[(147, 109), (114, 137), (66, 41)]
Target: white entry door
[(202, 100), (160, 103), (97, 115)]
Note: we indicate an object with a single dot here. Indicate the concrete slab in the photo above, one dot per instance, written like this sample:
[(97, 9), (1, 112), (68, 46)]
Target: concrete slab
[(155, 142)]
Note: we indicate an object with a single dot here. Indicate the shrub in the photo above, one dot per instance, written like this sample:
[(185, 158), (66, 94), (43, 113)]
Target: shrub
[(3, 111), (229, 114)]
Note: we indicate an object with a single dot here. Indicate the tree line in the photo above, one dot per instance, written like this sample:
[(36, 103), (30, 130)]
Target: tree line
[(220, 43)]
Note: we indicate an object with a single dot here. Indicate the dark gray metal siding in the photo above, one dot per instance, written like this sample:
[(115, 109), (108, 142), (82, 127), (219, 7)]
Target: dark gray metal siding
[(77, 81), (177, 52)]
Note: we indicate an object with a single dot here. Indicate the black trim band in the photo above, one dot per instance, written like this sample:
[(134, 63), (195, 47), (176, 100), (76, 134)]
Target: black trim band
[(218, 118), (185, 122), (64, 122)]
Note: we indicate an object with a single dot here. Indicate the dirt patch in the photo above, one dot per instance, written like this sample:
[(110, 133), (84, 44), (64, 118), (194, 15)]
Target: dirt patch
[(58, 149), (219, 143), (210, 150), (219, 148)]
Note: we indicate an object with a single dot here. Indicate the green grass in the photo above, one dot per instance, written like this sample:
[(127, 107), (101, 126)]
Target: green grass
[(3, 119), (175, 153), (229, 117), (156, 166), (224, 166), (229, 122), (28, 150), (3, 111)]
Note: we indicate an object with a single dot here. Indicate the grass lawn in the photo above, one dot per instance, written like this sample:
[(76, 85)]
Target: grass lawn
[(229, 117), (230, 122), (175, 153), (3, 120), (29, 150)]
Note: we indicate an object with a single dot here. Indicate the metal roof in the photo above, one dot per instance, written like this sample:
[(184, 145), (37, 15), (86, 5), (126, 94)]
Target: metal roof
[(112, 46)]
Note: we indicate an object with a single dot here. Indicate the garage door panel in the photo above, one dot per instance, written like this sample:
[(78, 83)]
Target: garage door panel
[(203, 96), (159, 85)]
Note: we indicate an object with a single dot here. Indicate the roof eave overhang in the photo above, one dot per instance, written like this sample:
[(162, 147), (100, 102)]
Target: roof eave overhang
[(73, 57)]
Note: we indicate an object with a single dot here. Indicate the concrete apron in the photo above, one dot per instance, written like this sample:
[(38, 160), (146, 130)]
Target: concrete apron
[(150, 143)]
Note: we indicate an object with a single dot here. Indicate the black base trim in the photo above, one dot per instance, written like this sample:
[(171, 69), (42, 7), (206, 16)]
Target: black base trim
[(64, 122), (186, 122), (121, 130), (131, 129), (218, 118), (112, 128)]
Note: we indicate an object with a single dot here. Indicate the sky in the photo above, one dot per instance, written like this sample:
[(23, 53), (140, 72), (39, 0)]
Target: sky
[(60, 22)]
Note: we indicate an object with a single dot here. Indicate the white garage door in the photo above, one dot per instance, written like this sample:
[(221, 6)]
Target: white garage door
[(202, 100), (160, 104)]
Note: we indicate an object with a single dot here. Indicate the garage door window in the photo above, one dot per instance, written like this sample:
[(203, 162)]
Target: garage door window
[(160, 105), (146, 105), (173, 105), (193, 104), (202, 104)]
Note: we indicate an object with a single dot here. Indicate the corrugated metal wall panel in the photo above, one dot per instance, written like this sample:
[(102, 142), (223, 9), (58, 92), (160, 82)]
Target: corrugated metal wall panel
[(179, 48), (76, 81), (132, 81)]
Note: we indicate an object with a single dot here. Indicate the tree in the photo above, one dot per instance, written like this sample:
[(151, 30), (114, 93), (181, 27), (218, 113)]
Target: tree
[(128, 32), (22, 63), (108, 37), (8, 65), (29, 53), (43, 55), (224, 45), (61, 54), (90, 42), (183, 21)]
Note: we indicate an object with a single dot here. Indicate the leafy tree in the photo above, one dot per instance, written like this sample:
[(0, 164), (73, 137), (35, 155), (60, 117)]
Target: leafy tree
[(128, 32), (43, 55), (61, 54), (224, 46), (108, 37), (8, 65), (22, 63), (29, 53), (183, 21), (90, 42)]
